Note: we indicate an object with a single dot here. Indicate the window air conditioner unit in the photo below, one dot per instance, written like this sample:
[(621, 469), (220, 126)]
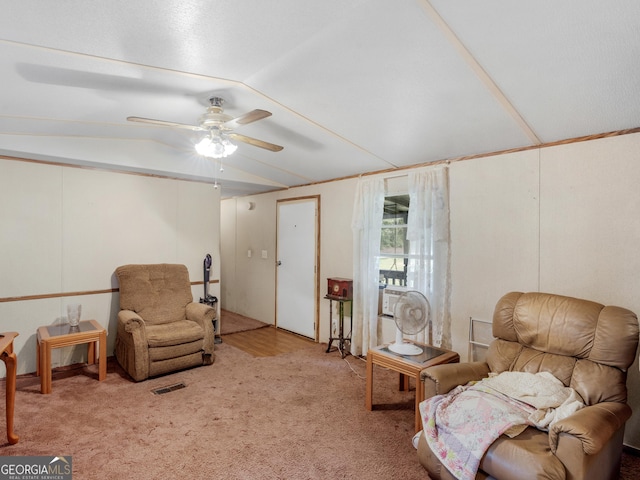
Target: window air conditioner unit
[(390, 296)]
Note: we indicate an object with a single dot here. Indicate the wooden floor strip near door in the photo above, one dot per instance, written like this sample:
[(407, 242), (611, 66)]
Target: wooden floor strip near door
[(267, 342)]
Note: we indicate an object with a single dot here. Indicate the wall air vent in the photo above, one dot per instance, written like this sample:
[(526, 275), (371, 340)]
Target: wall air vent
[(168, 388)]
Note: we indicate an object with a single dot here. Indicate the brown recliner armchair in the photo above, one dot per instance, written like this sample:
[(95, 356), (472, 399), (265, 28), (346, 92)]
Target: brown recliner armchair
[(584, 344), (160, 328)]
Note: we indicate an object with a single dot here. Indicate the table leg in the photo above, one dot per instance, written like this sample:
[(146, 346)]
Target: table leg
[(404, 383), (37, 357), (341, 327), (369, 394), (419, 399), (330, 325), (102, 359), (10, 360), (45, 368), (91, 353), (350, 322)]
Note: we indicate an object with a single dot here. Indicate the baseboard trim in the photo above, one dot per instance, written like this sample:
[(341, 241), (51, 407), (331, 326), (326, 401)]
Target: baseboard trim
[(631, 450)]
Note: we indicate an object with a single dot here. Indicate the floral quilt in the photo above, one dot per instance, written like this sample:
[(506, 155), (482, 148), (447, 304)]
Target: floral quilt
[(460, 426)]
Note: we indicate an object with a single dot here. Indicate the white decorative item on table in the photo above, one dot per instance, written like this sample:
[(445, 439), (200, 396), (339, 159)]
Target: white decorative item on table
[(74, 311)]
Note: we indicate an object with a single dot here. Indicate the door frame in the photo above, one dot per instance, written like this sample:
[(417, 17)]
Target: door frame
[(316, 309)]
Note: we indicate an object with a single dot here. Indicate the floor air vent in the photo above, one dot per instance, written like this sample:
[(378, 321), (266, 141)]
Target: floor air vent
[(168, 388)]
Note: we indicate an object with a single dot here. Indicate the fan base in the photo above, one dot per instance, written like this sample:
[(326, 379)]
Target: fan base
[(405, 348)]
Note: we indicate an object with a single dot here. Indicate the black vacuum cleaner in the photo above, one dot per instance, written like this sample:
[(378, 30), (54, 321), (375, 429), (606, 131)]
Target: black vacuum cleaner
[(210, 299)]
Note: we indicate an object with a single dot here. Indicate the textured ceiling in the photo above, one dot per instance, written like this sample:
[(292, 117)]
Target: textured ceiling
[(354, 85)]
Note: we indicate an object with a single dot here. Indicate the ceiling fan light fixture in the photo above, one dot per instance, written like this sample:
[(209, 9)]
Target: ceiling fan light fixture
[(220, 128), (216, 145)]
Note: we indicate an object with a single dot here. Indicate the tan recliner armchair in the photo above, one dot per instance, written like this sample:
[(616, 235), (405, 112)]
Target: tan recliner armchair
[(584, 344), (160, 328)]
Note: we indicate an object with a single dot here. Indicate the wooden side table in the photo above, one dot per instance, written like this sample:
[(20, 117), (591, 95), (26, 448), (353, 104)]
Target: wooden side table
[(63, 335), (11, 362), (408, 366)]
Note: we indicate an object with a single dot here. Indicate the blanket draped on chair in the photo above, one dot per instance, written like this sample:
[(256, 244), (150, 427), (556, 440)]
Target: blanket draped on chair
[(461, 425)]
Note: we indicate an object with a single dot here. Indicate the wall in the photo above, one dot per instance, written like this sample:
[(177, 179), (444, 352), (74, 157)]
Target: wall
[(253, 294), (66, 229), (560, 219), (495, 221)]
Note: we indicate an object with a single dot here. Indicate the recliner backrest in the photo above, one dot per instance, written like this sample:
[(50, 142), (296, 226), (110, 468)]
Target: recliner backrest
[(159, 293), (588, 346)]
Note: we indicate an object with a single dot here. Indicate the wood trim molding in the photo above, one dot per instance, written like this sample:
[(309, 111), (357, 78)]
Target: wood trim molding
[(567, 141), (105, 169), (75, 294), (377, 172)]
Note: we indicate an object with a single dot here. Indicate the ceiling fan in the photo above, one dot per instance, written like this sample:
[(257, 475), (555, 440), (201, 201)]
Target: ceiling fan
[(219, 128)]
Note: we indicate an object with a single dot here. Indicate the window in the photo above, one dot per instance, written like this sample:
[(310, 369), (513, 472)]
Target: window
[(394, 246)]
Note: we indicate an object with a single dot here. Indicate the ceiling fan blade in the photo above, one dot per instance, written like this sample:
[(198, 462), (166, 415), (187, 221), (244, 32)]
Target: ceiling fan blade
[(252, 116), (162, 123), (255, 142)]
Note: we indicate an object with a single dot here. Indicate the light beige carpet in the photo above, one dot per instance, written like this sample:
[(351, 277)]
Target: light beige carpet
[(298, 415)]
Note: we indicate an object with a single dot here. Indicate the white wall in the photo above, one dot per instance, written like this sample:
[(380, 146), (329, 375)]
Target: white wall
[(560, 219), (66, 229), (248, 284), (495, 231)]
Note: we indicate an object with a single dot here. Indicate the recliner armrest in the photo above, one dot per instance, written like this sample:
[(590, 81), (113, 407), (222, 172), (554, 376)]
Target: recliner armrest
[(441, 379), (200, 313), (131, 344), (593, 425), (130, 320), (204, 314)]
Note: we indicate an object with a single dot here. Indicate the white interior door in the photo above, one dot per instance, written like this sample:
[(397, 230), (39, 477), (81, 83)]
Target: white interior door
[(296, 282)]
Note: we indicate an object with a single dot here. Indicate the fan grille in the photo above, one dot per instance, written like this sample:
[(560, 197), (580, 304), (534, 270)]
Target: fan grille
[(412, 312)]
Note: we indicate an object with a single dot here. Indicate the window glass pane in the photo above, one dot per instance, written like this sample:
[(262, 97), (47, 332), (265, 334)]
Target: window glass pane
[(398, 220), (394, 240), (393, 270), (394, 247)]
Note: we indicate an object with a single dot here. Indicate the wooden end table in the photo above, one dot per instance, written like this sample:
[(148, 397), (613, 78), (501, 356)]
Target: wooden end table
[(63, 335), (408, 366), (11, 363)]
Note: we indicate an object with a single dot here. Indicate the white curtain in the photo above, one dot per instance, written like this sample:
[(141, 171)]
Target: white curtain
[(429, 268), (366, 226)]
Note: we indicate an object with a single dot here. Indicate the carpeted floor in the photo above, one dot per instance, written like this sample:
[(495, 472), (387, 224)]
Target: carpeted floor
[(234, 323), (630, 469), (295, 415)]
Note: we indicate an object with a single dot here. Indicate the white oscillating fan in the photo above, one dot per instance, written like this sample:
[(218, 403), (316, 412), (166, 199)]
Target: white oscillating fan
[(412, 313)]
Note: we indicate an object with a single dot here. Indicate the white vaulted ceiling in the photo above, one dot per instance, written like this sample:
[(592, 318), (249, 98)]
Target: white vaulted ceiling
[(354, 85)]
